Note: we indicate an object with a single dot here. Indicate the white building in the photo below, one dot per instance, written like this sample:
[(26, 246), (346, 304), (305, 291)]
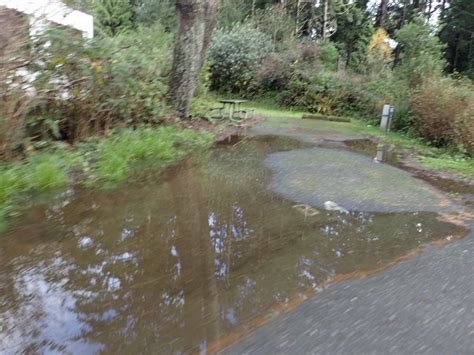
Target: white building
[(53, 11)]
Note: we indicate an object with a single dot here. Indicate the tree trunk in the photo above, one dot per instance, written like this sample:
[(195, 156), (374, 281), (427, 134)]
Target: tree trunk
[(350, 49), (400, 24), (442, 12), (325, 19), (381, 13), (196, 21)]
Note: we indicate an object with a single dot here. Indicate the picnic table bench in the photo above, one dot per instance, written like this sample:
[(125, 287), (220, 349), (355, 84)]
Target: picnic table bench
[(234, 108)]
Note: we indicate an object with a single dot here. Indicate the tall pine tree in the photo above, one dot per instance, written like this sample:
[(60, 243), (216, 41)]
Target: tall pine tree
[(458, 35)]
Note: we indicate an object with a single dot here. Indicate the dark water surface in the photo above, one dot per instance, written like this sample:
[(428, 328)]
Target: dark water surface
[(173, 263)]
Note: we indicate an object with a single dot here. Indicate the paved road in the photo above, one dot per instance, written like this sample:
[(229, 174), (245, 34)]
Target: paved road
[(422, 305)]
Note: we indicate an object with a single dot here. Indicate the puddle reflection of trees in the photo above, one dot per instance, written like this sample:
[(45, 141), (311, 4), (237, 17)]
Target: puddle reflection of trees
[(174, 266)]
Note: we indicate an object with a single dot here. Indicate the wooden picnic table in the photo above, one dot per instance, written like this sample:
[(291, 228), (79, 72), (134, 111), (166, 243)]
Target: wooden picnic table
[(234, 106)]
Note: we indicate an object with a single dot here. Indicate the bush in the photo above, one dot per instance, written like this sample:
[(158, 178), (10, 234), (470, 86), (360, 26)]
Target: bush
[(328, 55), (464, 129), (86, 87), (442, 112), (236, 55), (421, 53)]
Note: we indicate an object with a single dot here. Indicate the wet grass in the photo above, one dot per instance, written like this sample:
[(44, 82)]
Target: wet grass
[(93, 163), (37, 172), (266, 108), (460, 165), (440, 159), (118, 156)]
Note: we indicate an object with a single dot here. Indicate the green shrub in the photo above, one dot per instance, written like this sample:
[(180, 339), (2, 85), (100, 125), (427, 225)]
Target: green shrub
[(328, 55), (112, 17), (294, 60), (421, 52), (274, 74), (464, 129), (440, 106), (236, 55), (86, 88)]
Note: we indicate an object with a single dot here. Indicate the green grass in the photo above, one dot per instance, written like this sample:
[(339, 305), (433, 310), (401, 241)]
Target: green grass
[(266, 108), (107, 160), (118, 156), (38, 172), (433, 158), (462, 166)]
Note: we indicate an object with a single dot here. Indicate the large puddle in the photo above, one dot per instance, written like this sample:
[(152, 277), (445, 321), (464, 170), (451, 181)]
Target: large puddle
[(176, 262)]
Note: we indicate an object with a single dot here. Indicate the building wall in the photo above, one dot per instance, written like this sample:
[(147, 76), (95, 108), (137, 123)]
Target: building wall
[(43, 11)]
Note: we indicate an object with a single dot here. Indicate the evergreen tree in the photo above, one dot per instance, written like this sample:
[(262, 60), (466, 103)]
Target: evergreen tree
[(354, 31), (458, 35), (113, 17), (150, 11), (421, 52)]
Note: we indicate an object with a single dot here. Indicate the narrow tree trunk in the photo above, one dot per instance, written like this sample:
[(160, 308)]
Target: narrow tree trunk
[(298, 18), (210, 19), (442, 12), (349, 52), (455, 55), (400, 24), (196, 21), (381, 13), (325, 19), (428, 11)]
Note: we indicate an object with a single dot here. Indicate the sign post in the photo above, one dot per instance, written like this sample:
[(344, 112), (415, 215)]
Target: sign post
[(387, 116)]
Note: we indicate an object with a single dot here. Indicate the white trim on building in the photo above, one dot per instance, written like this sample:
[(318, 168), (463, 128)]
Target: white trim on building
[(52, 11)]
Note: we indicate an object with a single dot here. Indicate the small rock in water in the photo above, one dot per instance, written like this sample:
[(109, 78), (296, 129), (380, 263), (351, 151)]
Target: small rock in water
[(333, 206), (306, 210)]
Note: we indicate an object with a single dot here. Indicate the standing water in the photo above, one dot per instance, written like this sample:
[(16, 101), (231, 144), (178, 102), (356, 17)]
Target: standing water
[(175, 263)]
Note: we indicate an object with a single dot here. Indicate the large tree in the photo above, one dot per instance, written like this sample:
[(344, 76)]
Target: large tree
[(196, 21), (458, 34)]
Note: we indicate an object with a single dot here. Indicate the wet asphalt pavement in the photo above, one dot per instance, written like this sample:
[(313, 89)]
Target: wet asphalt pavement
[(422, 305)]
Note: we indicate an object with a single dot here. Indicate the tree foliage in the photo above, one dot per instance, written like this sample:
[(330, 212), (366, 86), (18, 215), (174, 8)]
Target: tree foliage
[(235, 56), (113, 17), (458, 35), (421, 52)]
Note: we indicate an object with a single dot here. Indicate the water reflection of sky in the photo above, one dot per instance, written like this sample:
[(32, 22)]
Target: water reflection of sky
[(46, 319), (145, 270)]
